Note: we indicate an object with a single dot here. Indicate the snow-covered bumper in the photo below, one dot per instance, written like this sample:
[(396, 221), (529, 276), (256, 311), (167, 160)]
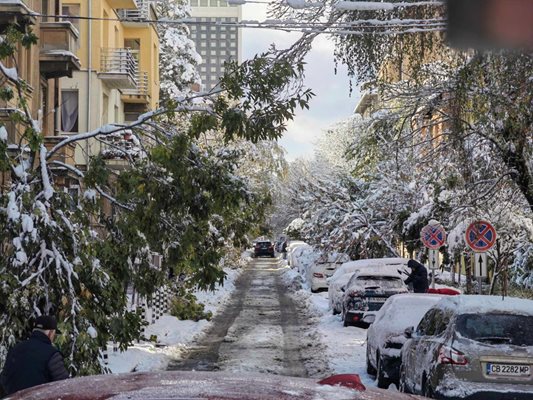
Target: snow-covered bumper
[(462, 390), (319, 284)]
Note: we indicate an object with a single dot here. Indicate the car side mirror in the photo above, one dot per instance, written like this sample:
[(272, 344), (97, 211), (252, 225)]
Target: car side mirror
[(343, 289), (408, 333), (369, 319)]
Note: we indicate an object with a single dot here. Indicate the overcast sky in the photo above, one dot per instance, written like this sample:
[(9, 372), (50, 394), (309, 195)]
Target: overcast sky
[(332, 102)]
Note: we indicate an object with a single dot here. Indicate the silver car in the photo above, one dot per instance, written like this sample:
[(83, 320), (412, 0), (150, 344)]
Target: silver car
[(471, 347)]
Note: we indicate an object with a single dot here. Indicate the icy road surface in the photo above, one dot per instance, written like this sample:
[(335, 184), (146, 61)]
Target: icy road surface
[(263, 328)]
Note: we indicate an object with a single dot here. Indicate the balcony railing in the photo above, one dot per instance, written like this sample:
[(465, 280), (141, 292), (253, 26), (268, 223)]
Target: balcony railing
[(119, 68), (142, 13), (142, 86)]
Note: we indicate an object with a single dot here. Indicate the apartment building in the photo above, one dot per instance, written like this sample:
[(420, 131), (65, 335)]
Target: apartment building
[(84, 72), (215, 42), (119, 75), (41, 67)]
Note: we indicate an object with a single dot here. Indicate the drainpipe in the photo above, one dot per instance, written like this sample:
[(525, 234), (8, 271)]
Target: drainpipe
[(89, 77)]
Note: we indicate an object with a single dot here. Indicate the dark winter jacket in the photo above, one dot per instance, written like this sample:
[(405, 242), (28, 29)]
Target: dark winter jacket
[(32, 362), (418, 277)]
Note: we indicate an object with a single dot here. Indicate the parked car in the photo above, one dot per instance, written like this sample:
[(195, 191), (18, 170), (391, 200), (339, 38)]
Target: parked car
[(302, 258), (178, 385), (325, 266), (471, 347), (366, 292), (293, 245), (264, 248), (385, 336), (338, 281)]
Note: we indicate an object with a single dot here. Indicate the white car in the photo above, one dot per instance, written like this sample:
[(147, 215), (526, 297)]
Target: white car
[(291, 250), (385, 337), (302, 257), (318, 273), (337, 282)]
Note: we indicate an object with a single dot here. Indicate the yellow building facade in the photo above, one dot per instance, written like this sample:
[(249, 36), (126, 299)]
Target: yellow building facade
[(119, 75)]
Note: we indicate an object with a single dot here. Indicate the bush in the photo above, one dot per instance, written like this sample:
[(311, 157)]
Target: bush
[(186, 307)]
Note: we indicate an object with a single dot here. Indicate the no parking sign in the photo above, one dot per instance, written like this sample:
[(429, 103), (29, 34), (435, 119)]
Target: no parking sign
[(480, 236)]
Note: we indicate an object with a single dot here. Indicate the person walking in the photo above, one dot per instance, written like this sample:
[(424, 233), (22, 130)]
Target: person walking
[(418, 277), (34, 361)]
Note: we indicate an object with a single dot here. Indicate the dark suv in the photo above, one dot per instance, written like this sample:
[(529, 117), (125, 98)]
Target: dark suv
[(264, 248)]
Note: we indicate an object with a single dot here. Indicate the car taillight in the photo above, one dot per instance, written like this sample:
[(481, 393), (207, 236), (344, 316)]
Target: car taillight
[(271, 247), (318, 275), (448, 355)]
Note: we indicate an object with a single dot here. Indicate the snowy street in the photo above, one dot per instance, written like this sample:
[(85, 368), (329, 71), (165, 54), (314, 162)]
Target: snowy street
[(262, 329)]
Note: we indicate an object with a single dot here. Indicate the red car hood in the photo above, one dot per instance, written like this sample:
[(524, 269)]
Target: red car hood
[(196, 386)]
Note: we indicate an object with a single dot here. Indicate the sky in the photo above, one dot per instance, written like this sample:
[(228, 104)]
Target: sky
[(332, 101)]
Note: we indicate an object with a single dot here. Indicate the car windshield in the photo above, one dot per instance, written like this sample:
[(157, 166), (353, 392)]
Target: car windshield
[(381, 282), (497, 328)]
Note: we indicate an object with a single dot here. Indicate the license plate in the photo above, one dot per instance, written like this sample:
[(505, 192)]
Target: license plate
[(378, 299), (508, 369)]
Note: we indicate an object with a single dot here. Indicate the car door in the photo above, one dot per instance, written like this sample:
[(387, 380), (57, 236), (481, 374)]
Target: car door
[(418, 350), (429, 345)]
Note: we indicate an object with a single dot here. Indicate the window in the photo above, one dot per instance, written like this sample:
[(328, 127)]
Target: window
[(105, 109), (74, 196), (71, 10), (213, 52), (213, 69), (424, 325), (222, 43), (223, 52), (203, 3), (213, 3), (222, 36), (203, 36), (44, 9), (69, 111), (194, 3), (203, 27), (213, 36)]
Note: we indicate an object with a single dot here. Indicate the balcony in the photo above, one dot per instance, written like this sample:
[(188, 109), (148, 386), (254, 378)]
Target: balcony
[(59, 43), (140, 94), (141, 15), (118, 68), (15, 12), (64, 154), (122, 3)]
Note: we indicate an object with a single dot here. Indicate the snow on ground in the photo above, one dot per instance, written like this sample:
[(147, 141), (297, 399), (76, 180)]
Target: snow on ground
[(346, 347), (173, 335)]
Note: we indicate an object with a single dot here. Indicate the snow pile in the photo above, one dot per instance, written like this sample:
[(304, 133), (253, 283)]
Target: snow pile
[(173, 335)]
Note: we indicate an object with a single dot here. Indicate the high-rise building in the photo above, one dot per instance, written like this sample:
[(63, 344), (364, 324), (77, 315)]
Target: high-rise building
[(215, 42)]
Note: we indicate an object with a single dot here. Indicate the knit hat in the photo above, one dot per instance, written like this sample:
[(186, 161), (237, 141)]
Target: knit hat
[(45, 322)]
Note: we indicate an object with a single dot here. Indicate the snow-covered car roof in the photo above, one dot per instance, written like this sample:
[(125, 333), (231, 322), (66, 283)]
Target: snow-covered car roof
[(296, 243), (353, 266), (402, 311), (482, 304), (379, 270), (197, 385)]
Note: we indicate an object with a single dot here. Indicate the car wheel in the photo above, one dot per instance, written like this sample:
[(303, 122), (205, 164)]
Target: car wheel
[(383, 382), (402, 386), (370, 370), (344, 321), (427, 390)]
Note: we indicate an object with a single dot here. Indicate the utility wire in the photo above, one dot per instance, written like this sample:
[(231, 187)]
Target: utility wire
[(412, 25)]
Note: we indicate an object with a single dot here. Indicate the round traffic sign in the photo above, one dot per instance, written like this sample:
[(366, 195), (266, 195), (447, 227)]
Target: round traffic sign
[(433, 236), (480, 236)]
